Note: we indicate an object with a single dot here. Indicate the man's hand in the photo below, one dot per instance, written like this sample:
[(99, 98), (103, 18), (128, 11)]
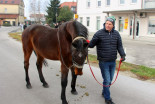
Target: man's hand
[(123, 58)]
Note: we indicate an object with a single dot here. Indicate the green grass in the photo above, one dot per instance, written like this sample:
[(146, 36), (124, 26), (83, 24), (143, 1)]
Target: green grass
[(16, 35), (143, 72), (92, 58), (126, 66)]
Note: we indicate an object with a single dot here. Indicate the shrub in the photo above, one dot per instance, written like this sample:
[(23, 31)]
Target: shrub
[(6, 24)]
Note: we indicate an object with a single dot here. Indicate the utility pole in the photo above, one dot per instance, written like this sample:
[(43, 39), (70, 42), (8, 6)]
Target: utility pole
[(56, 16)]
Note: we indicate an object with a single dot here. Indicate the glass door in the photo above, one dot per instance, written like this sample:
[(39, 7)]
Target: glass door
[(137, 28)]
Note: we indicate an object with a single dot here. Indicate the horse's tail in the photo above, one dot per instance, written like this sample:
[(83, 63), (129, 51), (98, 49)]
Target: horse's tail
[(44, 61)]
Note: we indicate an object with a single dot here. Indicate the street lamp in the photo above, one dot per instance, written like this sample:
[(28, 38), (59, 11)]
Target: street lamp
[(56, 16)]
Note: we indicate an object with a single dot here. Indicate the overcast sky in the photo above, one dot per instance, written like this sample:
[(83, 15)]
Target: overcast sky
[(43, 5)]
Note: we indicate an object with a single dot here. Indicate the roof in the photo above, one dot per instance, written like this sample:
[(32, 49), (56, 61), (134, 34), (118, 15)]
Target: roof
[(69, 4), (8, 16), (37, 15), (10, 1)]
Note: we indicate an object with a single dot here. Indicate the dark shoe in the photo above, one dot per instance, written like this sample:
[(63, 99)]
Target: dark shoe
[(109, 102)]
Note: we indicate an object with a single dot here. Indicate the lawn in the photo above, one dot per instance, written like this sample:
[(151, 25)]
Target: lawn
[(16, 35)]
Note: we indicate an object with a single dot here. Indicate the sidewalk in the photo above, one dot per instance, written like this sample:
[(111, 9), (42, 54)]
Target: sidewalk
[(147, 39)]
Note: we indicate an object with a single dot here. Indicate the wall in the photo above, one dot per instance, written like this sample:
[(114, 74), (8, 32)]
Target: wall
[(144, 25), (93, 11), (115, 5), (11, 9)]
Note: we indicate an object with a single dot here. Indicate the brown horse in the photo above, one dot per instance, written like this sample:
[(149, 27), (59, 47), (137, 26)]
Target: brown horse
[(67, 44)]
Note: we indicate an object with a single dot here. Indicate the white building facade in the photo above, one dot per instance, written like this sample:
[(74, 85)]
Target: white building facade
[(90, 14), (134, 18)]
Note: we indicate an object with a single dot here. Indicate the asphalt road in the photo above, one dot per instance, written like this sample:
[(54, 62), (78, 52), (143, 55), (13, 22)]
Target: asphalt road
[(126, 90)]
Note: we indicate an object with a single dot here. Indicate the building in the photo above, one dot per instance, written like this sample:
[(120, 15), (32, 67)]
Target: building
[(37, 18), (134, 18), (71, 5), (11, 12), (90, 14)]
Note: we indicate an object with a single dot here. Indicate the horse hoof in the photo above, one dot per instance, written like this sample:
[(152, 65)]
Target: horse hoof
[(65, 102), (74, 92), (28, 86), (46, 85)]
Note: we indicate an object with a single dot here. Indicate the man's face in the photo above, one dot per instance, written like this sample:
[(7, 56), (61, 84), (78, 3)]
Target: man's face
[(108, 26)]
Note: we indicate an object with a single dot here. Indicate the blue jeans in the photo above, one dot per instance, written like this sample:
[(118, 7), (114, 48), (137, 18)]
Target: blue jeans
[(107, 70)]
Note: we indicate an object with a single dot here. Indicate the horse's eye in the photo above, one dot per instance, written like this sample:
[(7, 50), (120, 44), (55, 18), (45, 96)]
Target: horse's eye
[(74, 45)]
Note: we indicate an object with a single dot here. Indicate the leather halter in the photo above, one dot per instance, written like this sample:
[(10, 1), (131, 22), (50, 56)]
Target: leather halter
[(74, 63)]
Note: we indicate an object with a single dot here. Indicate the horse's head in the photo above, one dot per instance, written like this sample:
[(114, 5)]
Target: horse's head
[(79, 46), (79, 53)]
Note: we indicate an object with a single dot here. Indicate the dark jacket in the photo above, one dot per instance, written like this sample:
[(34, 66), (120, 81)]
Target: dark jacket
[(24, 27), (107, 43)]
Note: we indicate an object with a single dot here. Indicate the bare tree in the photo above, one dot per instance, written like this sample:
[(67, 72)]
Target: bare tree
[(33, 9), (39, 15), (37, 7)]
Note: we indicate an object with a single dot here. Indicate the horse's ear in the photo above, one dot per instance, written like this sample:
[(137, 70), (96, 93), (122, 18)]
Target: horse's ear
[(70, 28), (65, 29)]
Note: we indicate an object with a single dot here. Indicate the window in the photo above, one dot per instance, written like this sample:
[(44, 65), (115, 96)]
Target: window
[(13, 2), (88, 21), (97, 23), (122, 1), (6, 22), (5, 10), (98, 3), (88, 3), (73, 8), (121, 24), (81, 19), (108, 2), (151, 27), (149, 4), (134, 1), (1, 2), (6, 1)]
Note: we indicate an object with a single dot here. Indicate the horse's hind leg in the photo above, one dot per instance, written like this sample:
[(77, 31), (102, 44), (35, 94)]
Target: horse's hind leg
[(39, 67), (27, 54), (73, 83)]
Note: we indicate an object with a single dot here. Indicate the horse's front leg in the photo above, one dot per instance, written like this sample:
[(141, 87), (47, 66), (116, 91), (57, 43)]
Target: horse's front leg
[(73, 83), (64, 81)]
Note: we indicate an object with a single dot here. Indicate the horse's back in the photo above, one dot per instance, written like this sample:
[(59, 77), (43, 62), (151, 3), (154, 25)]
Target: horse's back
[(42, 39), (36, 29)]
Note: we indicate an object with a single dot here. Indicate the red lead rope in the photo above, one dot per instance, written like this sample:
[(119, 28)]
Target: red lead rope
[(97, 80)]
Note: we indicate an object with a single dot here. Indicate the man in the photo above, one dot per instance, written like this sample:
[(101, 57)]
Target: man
[(25, 26), (108, 42)]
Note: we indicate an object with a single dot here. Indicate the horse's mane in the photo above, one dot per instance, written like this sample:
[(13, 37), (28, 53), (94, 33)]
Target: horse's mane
[(80, 29)]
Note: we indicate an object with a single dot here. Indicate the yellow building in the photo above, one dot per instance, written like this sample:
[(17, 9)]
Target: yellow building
[(11, 12)]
